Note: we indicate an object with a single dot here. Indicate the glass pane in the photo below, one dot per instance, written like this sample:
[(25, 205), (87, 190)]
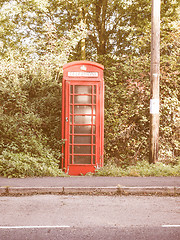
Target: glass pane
[(94, 140), (70, 139), (94, 119), (82, 99), (70, 149), (82, 149), (94, 99), (71, 89), (82, 109), (82, 139), (94, 129), (82, 119), (71, 99), (94, 110), (71, 129), (71, 119), (70, 160), (82, 129), (94, 89), (94, 158), (71, 109), (82, 159), (81, 89), (94, 149)]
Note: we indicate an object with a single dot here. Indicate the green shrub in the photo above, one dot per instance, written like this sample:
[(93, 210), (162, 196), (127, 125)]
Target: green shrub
[(23, 165), (140, 169), (127, 110), (30, 122)]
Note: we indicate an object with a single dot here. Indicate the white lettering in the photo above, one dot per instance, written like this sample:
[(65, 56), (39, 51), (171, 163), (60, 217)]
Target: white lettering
[(82, 74)]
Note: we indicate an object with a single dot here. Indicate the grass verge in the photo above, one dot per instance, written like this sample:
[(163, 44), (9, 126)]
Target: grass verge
[(141, 169)]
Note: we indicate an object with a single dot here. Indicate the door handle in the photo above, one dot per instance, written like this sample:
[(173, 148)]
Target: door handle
[(66, 119)]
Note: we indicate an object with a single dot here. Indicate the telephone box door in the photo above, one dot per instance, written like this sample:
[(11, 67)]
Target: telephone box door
[(82, 126)]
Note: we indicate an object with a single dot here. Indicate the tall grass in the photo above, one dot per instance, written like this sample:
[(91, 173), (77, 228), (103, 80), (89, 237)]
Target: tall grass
[(140, 169)]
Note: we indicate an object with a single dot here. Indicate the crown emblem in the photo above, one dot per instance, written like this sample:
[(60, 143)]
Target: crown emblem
[(83, 68)]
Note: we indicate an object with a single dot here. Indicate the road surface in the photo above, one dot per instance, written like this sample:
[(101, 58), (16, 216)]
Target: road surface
[(89, 217)]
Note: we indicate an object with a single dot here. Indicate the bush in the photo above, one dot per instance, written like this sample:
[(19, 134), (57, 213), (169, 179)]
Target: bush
[(23, 165), (127, 117), (127, 110), (30, 122), (140, 169)]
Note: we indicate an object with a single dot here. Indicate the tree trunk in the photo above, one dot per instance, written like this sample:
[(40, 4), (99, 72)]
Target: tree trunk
[(101, 9), (83, 41)]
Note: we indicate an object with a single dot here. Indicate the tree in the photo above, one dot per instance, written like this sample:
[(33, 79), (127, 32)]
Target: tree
[(38, 37), (30, 105), (113, 27)]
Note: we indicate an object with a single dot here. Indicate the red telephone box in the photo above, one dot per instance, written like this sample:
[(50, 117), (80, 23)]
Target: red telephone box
[(82, 117)]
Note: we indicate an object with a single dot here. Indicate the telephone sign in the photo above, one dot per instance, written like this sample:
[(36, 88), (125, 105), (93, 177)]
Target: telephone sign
[(82, 117)]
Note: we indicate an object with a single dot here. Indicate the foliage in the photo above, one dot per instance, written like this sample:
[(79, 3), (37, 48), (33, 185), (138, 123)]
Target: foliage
[(143, 169), (127, 99), (127, 105), (126, 110), (38, 37), (29, 120), (169, 91), (30, 110), (24, 165), (30, 28), (115, 27)]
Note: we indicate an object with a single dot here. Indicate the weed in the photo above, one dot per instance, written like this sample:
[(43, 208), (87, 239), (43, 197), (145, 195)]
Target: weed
[(140, 169)]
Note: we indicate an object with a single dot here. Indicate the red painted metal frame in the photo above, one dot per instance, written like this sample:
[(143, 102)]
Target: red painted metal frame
[(86, 80)]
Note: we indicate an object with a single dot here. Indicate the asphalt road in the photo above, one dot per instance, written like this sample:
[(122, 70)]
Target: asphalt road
[(89, 217), (100, 233)]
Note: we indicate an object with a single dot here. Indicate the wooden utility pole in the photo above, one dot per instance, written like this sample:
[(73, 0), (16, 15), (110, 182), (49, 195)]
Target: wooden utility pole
[(154, 77)]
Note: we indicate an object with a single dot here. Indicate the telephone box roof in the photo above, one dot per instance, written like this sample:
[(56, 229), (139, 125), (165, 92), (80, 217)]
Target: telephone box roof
[(83, 62)]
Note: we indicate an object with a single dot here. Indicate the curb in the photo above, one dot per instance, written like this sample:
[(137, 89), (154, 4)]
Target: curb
[(120, 190), (152, 190)]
